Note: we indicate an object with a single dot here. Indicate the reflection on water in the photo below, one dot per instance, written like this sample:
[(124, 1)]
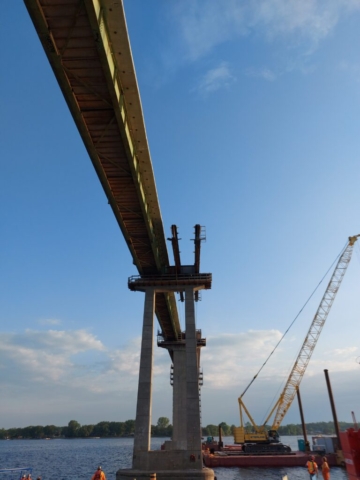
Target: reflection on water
[(77, 459)]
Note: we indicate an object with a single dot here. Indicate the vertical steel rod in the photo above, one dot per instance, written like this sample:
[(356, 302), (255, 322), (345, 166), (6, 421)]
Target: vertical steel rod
[(354, 420), (332, 407), (302, 417)]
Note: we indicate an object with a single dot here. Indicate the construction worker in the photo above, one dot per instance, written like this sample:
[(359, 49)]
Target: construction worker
[(99, 474), (312, 467), (325, 469)]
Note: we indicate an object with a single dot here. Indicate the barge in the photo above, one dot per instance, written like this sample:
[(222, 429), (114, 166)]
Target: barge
[(235, 458)]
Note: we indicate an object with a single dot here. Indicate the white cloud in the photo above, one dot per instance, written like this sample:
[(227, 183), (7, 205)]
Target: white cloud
[(237, 358), (353, 69), (44, 356), (344, 351), (309, 18), (230, 355), (264, 73), (204, 25), (73, 374), (336, 360), (261, 397), (230, 362), (49, 321), (216, 78), (127, 359)]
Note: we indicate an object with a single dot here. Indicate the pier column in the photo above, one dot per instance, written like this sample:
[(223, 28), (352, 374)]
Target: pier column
[(192, 380), (182, 457), (179, 397), (144, 399)]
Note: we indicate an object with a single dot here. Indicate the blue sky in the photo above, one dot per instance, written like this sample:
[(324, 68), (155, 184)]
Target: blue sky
[(252, 119)]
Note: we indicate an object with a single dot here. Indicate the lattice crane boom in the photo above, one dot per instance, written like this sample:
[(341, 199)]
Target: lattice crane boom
[(298, 370)]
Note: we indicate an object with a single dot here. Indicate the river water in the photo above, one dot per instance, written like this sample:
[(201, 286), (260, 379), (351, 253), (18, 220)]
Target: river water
[(77, 459)]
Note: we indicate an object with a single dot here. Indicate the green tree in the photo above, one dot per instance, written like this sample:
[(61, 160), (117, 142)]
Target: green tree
[(248, 427), (211, 430), (38, 432), (129, 427), (225, 428), (162, 428), (72, 429), (51, 430), (14, 433), (85, 431), (116, 429), (101, 429), (162, 423), (31, 432), (27, 432), (169, 431)]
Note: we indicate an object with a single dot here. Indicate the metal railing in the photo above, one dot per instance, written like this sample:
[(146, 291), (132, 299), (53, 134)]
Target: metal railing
[(161, 340), (171, 280)]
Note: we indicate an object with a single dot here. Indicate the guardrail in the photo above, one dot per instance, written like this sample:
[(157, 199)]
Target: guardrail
[(162, 342), (138, 282)]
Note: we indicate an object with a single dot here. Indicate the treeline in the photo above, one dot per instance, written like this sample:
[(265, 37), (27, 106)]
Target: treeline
[(324, 428), (213, 430), (75, 430), (163, 428)]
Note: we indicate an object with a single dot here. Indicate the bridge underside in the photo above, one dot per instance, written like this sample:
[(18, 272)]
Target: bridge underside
[(87, 45)]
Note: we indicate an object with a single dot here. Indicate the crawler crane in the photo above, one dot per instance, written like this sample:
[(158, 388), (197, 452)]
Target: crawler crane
[(260, 440)]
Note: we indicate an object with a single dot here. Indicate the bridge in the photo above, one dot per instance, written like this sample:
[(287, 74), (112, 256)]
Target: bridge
[(87, 45), (88, 48)]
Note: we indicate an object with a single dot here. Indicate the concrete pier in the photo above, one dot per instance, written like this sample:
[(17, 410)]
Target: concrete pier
[(192, 410), (179, 439), (142, 435), (182, 457)]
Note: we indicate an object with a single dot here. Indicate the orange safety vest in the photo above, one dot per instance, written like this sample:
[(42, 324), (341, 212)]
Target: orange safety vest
[(98, 475), (312, 467), (325, 470)]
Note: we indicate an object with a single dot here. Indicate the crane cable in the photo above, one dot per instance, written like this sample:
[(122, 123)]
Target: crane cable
[(291, 324)]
